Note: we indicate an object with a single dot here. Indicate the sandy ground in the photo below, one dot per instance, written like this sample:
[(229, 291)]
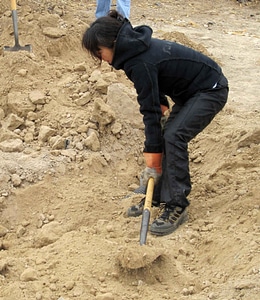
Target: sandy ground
[(71, 141)]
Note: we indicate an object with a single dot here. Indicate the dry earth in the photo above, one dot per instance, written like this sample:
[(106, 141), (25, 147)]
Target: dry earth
[(71, 141)]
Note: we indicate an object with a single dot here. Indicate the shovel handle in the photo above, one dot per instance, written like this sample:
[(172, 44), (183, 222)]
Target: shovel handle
[(146, 211), (149, 194), (13, 4)]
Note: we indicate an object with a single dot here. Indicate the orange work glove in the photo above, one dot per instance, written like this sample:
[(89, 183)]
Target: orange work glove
[(153, 168), (154, 161), (163, 109)]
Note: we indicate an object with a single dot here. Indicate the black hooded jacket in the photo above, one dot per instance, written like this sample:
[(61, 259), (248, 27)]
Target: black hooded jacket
[(158, 68)]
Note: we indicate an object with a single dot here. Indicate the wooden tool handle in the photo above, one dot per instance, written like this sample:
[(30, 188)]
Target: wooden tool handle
[(149, 194), (13, 4)]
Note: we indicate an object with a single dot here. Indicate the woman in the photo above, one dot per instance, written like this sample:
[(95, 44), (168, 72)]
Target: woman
[(160, 68)]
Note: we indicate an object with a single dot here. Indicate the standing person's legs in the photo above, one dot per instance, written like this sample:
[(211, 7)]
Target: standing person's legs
[(183, 124), (123, 7), (103, 7)]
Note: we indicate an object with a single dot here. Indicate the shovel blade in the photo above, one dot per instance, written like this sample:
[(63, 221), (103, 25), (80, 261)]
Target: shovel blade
[(146, 211), (18, 48), (144, 226)]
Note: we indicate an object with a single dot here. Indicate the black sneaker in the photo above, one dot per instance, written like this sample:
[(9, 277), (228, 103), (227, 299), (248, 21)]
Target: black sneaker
[(169, 220), (137, 210), (140, 190)]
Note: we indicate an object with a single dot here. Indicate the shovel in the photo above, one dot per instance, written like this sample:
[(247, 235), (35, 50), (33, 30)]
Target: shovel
[(146, 211), (132, 258), (17, 46)]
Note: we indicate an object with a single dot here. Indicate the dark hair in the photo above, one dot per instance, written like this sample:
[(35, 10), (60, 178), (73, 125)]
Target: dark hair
[(102, 32)]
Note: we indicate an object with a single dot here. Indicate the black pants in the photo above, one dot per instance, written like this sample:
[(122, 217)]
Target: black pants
[(183, 124)]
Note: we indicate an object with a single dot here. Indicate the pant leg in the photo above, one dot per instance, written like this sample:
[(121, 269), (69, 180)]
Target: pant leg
[(123, 7), (102, 8), (183, 124)]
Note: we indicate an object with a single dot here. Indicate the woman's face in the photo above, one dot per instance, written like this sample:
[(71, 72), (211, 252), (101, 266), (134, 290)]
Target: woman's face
[(106, 54)]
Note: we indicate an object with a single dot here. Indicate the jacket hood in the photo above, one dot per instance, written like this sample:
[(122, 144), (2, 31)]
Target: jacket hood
[(130, 42)]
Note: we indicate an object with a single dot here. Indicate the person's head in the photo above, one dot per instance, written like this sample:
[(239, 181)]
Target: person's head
[(99, 39)]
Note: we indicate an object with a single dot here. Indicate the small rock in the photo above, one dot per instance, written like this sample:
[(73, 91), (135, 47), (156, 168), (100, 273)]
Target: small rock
[(92, 142), (37, 97), (13, 122), (3, 231), (69, 285), (20, 231), (54, 32), (3, 266), (102, 279), (38, 296), (22, 72), (48, 234), (106, 296), (80, 67), (16, 180), (29, 274), (45, 133), (244, 284), (14, 145), (110, 228)]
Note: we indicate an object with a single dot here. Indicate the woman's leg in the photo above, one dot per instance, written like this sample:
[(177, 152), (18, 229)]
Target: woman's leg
[(123, 7), (183, 124), (103, 7)]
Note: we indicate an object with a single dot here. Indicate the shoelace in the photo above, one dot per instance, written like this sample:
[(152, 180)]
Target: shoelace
[(163, 212), (166, 214)]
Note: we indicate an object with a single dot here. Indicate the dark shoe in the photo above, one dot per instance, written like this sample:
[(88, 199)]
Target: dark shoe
[(169, 220), (137, 210), (140, 190)]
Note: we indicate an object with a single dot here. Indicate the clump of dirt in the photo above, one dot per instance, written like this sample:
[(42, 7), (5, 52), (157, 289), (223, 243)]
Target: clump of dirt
[(139, 257)]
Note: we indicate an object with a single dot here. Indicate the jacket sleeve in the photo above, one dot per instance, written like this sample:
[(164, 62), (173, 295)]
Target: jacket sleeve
[(144, 77)]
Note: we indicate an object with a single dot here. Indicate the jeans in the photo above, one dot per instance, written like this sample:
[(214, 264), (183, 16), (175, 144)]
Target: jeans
[(122, 6), (183, 124)]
